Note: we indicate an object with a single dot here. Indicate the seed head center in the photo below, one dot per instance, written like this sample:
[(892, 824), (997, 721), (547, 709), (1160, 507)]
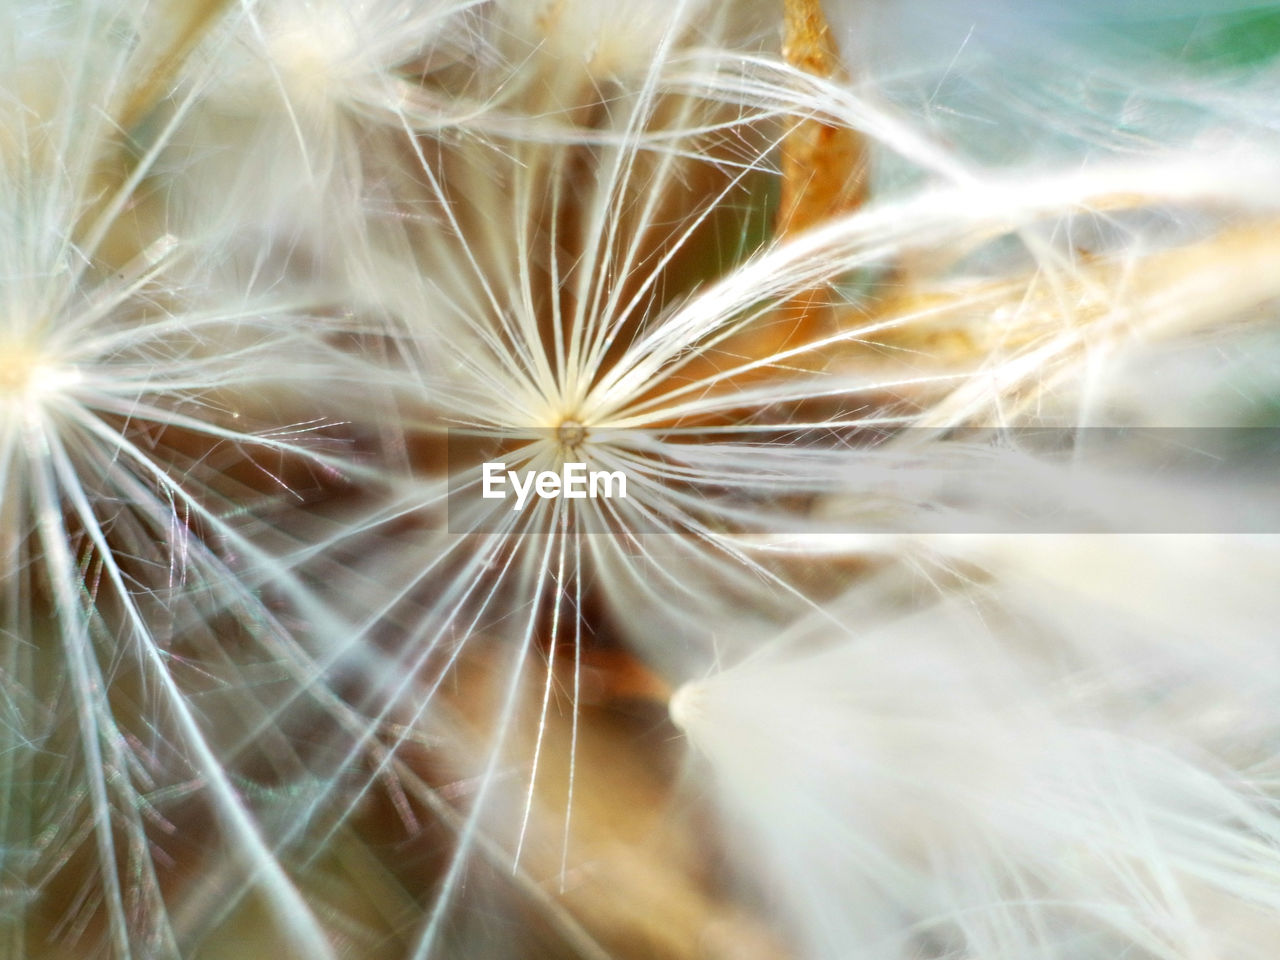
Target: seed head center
[(570, 435), (18, 366), (26, 375)]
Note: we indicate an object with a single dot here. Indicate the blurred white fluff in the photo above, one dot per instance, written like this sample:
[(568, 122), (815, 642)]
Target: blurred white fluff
[(1063, 757)]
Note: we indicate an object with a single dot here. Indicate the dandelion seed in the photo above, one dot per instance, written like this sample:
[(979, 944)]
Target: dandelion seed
[(117, 454)]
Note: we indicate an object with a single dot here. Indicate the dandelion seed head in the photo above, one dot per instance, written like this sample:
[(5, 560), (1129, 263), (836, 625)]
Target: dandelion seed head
[(604, 42), (309, 55), (27, 375), (571, 435), (316, 52), (686, 706), (551, 217), (326, 57)]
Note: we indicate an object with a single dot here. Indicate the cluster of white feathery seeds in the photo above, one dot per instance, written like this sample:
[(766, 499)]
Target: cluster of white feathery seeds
[(873, 656)]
